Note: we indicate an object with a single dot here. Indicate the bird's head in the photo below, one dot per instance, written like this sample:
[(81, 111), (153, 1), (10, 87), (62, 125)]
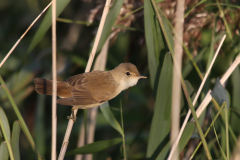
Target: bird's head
[(127, 75)]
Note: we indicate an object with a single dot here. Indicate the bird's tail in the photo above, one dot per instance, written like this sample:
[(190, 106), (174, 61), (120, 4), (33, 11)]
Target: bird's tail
[(44, 86)]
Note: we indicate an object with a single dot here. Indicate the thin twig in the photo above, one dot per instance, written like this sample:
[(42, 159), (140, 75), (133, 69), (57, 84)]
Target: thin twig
[(100, 64), (98, 36), (217, 107), (223, 154), (176, 83), (192, 110), (195, 100), (196, 121), (18, 41), (89, 64), (218, 113), (208, 97), (123, 136), (80, 142), (54, 87), (224, 21), (227, 138)]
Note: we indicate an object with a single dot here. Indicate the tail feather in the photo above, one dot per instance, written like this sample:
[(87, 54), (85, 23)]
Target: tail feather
[(44, 86)]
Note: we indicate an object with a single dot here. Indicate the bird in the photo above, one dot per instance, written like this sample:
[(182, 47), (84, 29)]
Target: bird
[(91, 89)]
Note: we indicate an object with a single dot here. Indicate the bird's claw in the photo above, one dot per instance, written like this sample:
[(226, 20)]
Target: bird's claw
[(72, 118)]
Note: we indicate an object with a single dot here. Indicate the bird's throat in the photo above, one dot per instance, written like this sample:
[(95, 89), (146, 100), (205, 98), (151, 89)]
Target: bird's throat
[(125, 84)]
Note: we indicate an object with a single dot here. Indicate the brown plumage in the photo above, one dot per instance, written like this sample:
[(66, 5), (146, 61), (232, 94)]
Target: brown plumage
[(44, 86), (91, 89)]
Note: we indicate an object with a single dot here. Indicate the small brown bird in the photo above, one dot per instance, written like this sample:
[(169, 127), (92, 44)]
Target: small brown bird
[(91, 89)]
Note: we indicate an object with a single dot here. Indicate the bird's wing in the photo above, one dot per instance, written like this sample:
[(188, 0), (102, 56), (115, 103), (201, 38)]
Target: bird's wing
[(80, 97), (76, 80), (90, 88)]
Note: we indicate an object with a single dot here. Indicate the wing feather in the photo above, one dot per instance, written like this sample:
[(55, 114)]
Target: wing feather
[(90, 88)]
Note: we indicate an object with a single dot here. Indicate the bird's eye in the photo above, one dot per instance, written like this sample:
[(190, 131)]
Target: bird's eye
[(128, 73)]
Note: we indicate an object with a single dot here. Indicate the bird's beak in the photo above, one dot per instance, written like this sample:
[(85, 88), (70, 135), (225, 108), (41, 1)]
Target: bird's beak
[(142, 76)]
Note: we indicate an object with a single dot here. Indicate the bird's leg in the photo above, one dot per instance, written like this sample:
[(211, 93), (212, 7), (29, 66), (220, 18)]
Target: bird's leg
[(73, 117)]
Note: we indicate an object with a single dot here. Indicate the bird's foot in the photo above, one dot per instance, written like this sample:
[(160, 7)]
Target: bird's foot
[(72, 118)]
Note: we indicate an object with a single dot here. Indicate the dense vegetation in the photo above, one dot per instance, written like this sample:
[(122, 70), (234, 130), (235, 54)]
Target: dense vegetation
[(136, 35)]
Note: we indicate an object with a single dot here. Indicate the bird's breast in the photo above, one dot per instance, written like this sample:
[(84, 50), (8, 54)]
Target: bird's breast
[(125, 85)]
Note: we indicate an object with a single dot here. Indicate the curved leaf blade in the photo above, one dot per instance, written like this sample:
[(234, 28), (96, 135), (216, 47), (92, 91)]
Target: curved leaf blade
[(6, 131), (15, 140), (182, 143), (21, 120), (161, 122), (110, 118), (4, 124), (46, 23), (3, 151), (154, 41), (187, 133), (235, 79), (110, 20), (220, 94)]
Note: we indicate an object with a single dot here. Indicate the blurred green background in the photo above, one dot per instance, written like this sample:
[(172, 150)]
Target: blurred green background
[(203, 29)]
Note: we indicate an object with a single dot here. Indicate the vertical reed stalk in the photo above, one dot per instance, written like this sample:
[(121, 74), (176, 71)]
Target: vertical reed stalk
[(89, 64), (193, 112), (176, 83), (54, 78), (80, 142), (100, 64)]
